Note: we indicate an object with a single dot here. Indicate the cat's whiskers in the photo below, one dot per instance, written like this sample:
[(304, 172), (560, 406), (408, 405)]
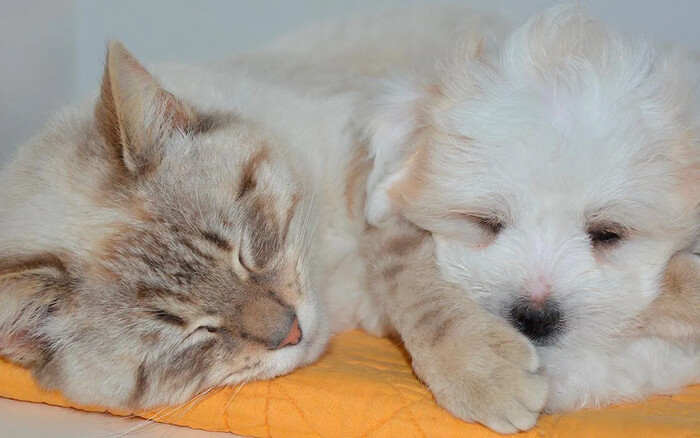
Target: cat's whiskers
[(164, 413), (301, 236), (307, 232), (199, 207), (171, 410), (211, 392), (140, 425), (235, 393)]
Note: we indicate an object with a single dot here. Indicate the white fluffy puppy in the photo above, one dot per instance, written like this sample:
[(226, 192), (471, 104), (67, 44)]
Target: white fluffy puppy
[(558, 171)]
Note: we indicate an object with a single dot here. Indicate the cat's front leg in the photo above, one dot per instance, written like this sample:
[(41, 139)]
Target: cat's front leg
[(477, 366)]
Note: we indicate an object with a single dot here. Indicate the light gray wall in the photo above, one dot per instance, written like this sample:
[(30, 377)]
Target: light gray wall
[(37, 66), (52, 51)]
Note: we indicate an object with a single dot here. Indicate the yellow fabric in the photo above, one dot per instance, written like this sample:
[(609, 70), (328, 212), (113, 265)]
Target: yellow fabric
[(364, 387)]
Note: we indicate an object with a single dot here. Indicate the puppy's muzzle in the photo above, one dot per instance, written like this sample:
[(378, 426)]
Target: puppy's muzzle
[(541, 322)]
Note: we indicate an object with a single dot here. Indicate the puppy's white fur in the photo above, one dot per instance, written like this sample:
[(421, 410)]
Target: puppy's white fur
[(563, 124)]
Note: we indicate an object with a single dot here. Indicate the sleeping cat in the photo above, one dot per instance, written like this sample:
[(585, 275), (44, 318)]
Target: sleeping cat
[(155, 245), (151, 249)]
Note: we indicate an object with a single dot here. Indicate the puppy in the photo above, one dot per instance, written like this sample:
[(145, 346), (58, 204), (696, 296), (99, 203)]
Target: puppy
[(558, 170)]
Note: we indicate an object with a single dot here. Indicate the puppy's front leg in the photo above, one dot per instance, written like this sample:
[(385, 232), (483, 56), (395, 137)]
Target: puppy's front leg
[(477, 366)]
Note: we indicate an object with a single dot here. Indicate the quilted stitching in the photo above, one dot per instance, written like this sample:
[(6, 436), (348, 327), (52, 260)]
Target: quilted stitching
[(364, 387)]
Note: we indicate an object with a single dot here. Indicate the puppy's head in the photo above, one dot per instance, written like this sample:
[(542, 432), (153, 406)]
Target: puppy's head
[(557, 174)]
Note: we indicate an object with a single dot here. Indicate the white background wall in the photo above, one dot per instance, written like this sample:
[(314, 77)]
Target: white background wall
[(51, 51)]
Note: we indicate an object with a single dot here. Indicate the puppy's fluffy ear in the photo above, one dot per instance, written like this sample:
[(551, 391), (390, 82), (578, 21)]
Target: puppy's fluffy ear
[(134, 114), (675, 314), (394, 122)]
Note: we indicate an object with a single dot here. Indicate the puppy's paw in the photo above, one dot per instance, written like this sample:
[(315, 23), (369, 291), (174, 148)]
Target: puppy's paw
[(489, 376)]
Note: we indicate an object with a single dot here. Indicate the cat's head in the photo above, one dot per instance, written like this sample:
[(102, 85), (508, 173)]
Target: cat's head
[(558, 173), (149, 250)]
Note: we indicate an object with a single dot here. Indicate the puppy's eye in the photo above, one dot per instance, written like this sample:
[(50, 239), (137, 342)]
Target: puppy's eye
[(492, 225), (606, 236)]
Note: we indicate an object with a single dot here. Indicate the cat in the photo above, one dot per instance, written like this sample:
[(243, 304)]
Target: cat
[(151, 250)]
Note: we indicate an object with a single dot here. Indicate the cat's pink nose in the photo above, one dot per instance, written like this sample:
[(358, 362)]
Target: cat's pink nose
[(294, 335)]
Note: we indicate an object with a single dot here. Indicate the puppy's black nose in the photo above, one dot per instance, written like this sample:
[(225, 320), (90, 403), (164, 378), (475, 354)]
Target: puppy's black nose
[(539, 322)]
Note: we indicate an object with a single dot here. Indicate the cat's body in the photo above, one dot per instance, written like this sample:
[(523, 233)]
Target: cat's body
[(275, 132)]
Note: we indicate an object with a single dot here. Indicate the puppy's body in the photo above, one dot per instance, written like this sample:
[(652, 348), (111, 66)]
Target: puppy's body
[(557, 170), (533, 114)]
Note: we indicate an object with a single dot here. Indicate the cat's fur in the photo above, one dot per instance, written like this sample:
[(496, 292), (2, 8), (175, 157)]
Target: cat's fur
[(153, 246), (150, 250)]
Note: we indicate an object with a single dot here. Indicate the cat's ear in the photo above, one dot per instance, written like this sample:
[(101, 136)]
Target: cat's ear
[(135, 114), (31, 289), (395, 122)]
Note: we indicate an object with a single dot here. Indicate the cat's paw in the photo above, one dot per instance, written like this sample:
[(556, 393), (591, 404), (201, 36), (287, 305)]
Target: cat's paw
[(491, 377)]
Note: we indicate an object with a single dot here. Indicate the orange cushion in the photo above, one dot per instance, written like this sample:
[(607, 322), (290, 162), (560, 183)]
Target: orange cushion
[(364, 387)]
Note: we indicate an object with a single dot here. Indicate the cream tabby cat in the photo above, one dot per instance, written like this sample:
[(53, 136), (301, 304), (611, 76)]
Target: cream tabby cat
[(151, 250), (153, 245)]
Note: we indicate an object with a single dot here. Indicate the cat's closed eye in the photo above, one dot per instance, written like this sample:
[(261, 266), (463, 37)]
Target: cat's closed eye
[(204, 331), (167, 317), (217, 240), (208, 328), (242, 262)]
